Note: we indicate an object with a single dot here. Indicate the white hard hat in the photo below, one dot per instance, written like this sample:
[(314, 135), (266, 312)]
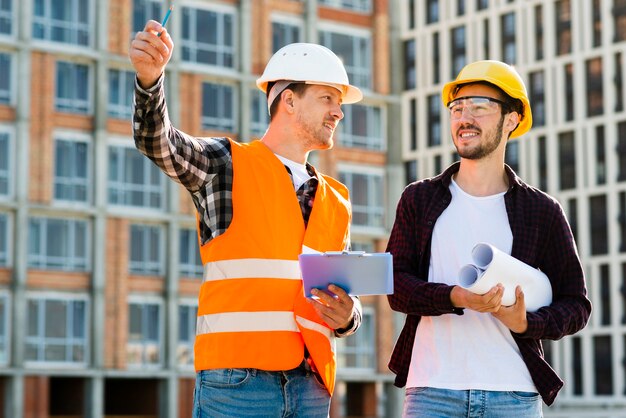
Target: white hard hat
[(310, 64)]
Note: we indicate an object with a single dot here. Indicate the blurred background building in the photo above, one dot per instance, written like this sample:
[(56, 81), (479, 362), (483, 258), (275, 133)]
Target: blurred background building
[(99, 266)]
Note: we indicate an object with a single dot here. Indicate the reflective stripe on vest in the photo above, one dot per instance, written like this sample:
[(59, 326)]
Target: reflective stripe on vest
[(251, 267), (246, 322)]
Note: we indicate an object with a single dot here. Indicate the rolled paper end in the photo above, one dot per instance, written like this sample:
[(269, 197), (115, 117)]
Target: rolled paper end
[(482, 254), (468, 275)]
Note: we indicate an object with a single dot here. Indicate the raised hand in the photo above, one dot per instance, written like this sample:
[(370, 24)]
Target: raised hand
[(150, 53)]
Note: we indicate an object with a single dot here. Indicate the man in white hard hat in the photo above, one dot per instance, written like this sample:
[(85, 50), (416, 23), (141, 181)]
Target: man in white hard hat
[(262, 348), (460, 353)]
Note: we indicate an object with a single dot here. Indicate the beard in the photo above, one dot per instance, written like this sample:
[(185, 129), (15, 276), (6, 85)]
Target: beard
[(490, 144), (315, 134)]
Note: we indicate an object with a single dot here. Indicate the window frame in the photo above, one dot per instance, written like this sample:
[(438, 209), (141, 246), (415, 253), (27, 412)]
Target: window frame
[(144, 301), (187, 269), (122, 188), (12, 79), (192, 46), (63, 297), (189, 304), (69, 263), (74, 137), (374, 142), (371, 209), (74, 26), (147, 267), (8, 218), (287, 20), (359, 6), (6, 338), (122, 110), (76, 106), (9, 130), (360, 345), (220, 122)]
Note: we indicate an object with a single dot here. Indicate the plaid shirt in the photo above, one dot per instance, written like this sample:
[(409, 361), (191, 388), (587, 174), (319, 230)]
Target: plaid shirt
[(541, 238), (204, 166)]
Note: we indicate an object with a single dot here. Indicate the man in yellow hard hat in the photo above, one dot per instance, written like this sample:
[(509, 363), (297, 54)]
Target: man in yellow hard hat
[(262, 348), (466, 354)]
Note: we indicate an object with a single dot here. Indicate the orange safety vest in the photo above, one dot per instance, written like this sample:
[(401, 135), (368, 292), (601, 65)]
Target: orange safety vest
[(252, 312)]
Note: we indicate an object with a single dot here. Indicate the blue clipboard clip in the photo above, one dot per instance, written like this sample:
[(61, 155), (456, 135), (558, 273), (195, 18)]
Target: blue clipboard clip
[(357, 272)]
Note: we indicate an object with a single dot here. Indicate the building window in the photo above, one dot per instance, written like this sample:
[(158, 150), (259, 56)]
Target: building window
[(597, 23), (432, 11), (144, 334), (539, 32), (260, 115), (66, 21), (187, 316), (413, 124), (605, 295), (621, 219), (409, 65), (4, 239), (411, 14), (598, 225), (361, 127), (144, 10), (410, 171), (58, 244), (364, 6), (355, 52), (511, 156), (358, 351), (146, 250), (542, 161), (218, 107), (284, 33), (367, 197), (190, 262), (460, 7), (537, 98), (508, 38), (6, 17), (486, 37), (134, 180), (600, 156), (577, 366), (619, 86), (5, 163), (482, 4), (563, 27), (208, 37), (572, 217), (569, 92), (56, 330), (4, 329), (121, 91), (6, 74), (619, 20), (621, 151), (603, 365), (457, 54), (71, 170), (623, 301), (567, 161), (434, 120), (72, 88), (437, 162), (436, 59), (594, 87)]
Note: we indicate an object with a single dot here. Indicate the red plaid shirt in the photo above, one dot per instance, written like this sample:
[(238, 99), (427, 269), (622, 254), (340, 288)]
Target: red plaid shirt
[(542, 238)]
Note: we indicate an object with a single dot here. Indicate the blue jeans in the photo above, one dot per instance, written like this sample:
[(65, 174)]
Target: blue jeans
[(229, 393), (445, 403)]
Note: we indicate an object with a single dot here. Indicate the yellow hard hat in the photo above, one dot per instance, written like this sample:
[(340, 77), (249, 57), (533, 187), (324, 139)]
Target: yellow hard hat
[(501, 75)]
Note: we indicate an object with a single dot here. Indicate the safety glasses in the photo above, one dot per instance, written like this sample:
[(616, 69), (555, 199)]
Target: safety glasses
[(477, 106)]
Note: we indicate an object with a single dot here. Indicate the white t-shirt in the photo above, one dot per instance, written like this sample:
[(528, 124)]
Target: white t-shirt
[(473, 350), (298, 171)]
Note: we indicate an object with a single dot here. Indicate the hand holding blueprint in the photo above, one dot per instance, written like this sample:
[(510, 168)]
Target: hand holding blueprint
[(492, 266), (358, 273)]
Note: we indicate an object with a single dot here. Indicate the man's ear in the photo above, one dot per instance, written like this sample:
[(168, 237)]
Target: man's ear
[(511, 121), (286, 97)]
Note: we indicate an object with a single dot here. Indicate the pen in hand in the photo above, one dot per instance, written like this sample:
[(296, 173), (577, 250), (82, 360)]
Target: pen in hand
[(167, 16)]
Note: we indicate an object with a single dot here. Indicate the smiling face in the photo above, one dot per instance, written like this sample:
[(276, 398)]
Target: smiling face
[(318, 113), (478, 136)]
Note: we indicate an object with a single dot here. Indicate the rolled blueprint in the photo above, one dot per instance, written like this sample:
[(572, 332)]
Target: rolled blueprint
[(492, 266)]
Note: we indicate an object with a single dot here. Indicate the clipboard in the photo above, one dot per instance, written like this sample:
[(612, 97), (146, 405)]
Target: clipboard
[(357, 272)]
